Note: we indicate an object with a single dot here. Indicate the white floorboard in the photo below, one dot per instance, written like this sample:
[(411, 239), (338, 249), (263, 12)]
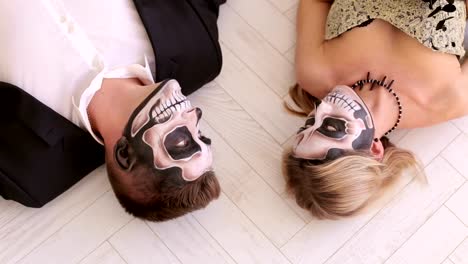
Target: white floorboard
[(104, 254), (433, 241), (402, 217), (460, 256), (150, 248)]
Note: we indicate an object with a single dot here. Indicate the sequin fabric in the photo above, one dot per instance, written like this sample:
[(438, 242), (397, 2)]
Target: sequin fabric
[(437, 24)]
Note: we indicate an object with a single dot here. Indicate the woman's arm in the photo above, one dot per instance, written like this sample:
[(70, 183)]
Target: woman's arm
[(311, 63)]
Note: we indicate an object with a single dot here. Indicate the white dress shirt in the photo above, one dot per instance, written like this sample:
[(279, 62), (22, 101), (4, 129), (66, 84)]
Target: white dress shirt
[(59, 49), (81, 104)]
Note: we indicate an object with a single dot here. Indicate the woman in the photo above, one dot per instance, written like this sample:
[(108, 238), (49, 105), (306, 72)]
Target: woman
[(377, 66)]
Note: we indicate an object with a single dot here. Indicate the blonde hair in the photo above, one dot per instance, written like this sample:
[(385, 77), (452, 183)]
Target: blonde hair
[(344, 186)]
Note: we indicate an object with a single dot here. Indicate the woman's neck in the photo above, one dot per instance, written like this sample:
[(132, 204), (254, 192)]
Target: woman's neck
[(382, 105)]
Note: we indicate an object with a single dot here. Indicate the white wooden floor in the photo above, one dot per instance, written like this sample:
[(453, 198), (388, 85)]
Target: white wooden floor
[(254, 221)]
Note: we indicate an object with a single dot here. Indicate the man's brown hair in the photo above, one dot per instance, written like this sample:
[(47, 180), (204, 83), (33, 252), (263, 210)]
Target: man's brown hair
[(157, 195)]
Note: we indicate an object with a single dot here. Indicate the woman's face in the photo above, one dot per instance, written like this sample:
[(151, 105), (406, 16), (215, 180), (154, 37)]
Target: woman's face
[(340, 122)]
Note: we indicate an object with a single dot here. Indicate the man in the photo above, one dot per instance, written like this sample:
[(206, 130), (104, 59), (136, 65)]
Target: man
[(158, 162)]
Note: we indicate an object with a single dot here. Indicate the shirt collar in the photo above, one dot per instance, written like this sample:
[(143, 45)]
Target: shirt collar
[(130, 71)]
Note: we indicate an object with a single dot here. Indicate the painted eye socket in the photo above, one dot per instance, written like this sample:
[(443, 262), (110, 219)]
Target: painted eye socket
[(180, 144), (333, 127), (178, 140), (183, 142)]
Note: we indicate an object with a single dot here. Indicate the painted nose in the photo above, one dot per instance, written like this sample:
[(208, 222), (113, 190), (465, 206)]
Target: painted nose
[(197, 111)]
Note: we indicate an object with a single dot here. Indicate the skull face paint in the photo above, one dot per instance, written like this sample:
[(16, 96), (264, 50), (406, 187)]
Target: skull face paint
[(167, 123), (340, 122)]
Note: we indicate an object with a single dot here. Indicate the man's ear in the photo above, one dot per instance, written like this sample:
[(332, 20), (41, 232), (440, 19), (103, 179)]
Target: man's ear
[(123, 154), (377, 150)]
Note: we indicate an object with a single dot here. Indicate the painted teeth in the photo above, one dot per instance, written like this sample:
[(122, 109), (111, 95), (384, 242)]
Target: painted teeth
[(175, 104)]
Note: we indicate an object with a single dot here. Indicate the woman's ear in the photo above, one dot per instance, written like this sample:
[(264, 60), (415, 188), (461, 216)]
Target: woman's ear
[(377, 150), (123, 154)]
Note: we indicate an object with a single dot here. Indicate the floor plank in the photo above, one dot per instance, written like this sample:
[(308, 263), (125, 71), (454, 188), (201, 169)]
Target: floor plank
[(242, 133), (439, 137), (320, 239), (9, 211), (460, 256), (237, 234), (290, 55), (440, 235), (458, 203), (284, 5), (256, 98), (252, 195), (33, 226), (395, 223), (462, 122), (189, 241), (136, 243), (456, 154), (255, 51), (291, 13), (83, 234), (279, 32), (104, 254)]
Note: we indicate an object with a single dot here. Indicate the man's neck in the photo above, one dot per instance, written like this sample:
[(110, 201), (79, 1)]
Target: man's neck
[(112, 105)]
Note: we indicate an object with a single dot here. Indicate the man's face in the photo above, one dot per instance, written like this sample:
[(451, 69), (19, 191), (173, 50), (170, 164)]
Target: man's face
[(341, 122), (168, 124)]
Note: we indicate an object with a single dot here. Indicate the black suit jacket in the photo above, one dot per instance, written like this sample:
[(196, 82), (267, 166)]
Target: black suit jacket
[(184, 37), (42, 154)]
